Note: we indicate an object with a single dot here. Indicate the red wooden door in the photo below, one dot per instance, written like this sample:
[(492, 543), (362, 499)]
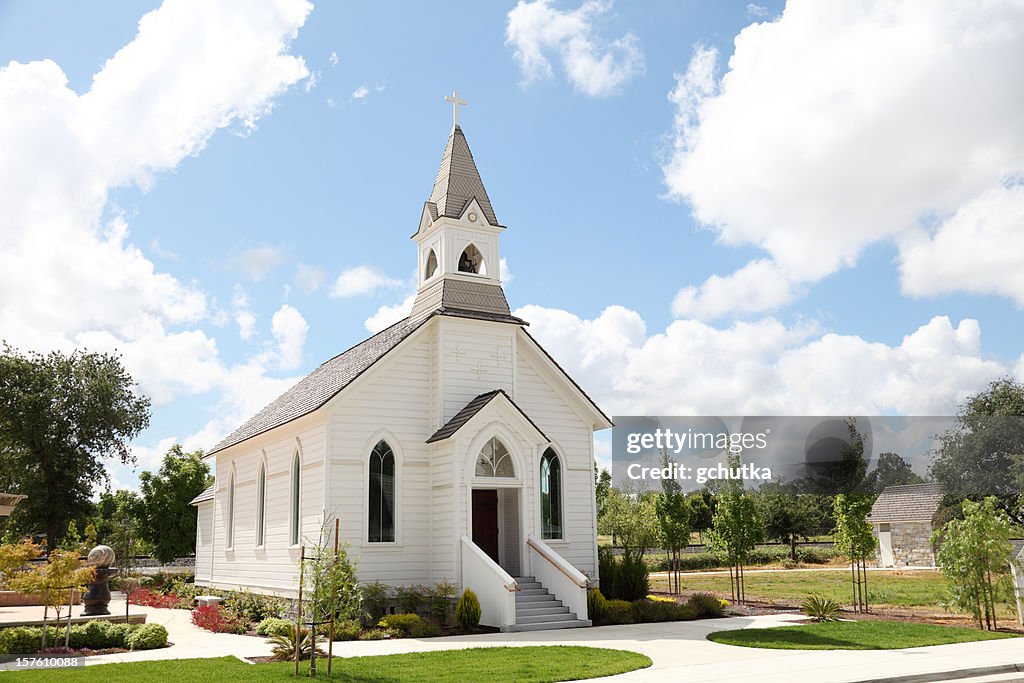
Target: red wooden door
[(485, 521)]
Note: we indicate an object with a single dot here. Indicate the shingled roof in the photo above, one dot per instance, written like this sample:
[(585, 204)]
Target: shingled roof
[(207, 494), (908, 503), (322, 384), (458, 182), (472, 408)]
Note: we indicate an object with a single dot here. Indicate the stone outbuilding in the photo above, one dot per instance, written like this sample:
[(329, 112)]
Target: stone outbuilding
[(903, 519)]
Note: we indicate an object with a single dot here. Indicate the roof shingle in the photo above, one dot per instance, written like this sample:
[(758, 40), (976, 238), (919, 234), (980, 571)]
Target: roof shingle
[(472, 408), (207, 494), (458, 181), (908, 503)]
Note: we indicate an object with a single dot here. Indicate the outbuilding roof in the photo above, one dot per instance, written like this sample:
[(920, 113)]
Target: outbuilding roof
[(205, 495), (907, 503)]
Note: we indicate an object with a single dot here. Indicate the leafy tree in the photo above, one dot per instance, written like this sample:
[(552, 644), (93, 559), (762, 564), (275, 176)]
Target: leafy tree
[(14, 557), (891, 470), (981, 454), (72, 540), (61, 418), (788, 516), (630, 516), (53, 582), (848, 473), (975, 554), (702, 509), (855, 538), (112, 511), (735, 530), (674, 519), (168, 521)]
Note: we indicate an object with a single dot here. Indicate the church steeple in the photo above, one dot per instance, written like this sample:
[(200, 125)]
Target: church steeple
[(458, 239)]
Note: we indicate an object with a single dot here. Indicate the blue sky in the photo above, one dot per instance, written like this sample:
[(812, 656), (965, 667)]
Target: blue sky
[(828, 223)]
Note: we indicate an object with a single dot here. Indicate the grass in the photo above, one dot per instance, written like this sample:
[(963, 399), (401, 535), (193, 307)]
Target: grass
[(550, 663), (853, 635), (908, 589)]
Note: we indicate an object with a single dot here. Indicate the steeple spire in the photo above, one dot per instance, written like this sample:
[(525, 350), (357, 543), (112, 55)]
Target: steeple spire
[(458, 181)]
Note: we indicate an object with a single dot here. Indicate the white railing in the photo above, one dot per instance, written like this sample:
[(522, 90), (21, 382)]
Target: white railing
[(563, 580), (494, 587)]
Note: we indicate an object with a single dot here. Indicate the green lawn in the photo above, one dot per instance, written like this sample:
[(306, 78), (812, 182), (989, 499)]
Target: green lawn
[(853, 635), (553, 663), (909, 589)]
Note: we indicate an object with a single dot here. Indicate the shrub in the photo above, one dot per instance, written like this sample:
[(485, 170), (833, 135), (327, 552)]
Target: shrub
[(285, 644), (410, 625), (706, 605), (597, 605), (21, 640), (410, 600), (95, 635), (374, 601), (347, 630), (467, 612), (632, 582), (440, 601), (119, 634), (619, 612), (216, 619), (653, 611), (608, 569), (147, 637), (379, 634), (821, 609), (150, 598), (272, 626), (254, 607), (660, 598)]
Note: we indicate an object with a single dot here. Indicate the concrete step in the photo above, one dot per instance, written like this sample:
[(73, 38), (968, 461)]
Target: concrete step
[(544, 597), (533, 591), (527, 579), (546, 618), (528, 609), (547, 625), (524, 585)]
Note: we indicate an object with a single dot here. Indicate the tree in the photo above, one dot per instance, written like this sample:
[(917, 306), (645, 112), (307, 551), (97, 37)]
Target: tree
[(981, 454), (602, 485), (855, 539), (848, 473), (630, 516), (61, 417), (975, 554), (674, 519), (112, 511), (168, 521), (736, 529), (891, 470), (702, 509), (788, 516), (55, 582)]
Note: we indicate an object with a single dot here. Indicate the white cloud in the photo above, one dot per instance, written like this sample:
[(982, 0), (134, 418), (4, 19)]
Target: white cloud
[(312, 81), (756, 11), (506, 273), (760, 285), (763, 367), (537, 31), (309, 278), (290, 329), (389, 315), (333, 59), (978, 249), (360, 93), (256, 263), (70, 278), (244, 317), (841, 124), (361, 280)]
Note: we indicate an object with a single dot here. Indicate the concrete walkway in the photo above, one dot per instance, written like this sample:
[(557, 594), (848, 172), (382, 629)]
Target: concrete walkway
[(680, 650)]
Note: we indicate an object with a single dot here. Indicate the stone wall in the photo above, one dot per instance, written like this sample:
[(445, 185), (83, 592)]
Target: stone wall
[(912, 544)]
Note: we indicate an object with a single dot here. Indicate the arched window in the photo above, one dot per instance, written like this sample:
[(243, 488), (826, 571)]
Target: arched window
[(550, 495), (472, 261), (382, 494), (261, 503), (230, 520), (431, 268), (296, 491), (494, 460)]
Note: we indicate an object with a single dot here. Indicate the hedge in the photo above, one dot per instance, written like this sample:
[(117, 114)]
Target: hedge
[(93, 635)]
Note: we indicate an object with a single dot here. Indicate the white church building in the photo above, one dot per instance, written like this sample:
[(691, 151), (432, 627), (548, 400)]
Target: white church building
[(450, 445)]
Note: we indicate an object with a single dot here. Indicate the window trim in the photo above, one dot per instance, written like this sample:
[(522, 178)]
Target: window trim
[(261, 502), (295, 500), (557, 457), (399, 454), (229, 521)]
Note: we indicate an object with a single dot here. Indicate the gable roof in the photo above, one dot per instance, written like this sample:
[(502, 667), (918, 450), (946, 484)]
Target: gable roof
[(321, 385), (907, 503), (206, 495), (471, 409), (458, 182)]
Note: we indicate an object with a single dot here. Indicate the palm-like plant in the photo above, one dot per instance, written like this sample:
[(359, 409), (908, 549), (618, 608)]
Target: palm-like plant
[(285, 644), (821, 609)]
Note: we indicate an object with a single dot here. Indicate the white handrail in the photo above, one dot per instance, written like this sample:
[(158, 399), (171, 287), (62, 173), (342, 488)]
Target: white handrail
[(494, 587), (573, 574), (562, 580)]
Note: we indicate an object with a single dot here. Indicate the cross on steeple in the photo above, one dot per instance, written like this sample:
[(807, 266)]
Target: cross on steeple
[(454, 99)]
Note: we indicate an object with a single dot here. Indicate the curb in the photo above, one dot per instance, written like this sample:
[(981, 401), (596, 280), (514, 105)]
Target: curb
[(949, 675)]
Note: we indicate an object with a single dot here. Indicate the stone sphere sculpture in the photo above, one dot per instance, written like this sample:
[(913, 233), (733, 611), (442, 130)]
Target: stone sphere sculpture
[(101, 556), (97, 598)]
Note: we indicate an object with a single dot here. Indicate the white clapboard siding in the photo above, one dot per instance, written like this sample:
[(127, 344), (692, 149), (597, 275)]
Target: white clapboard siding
[(573, 438), (477, 357), (204, 540)]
